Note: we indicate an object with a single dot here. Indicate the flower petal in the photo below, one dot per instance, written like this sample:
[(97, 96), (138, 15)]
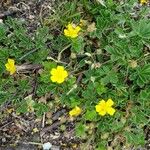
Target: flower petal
[(11, 61), (53, 71), (60, 68), (98, 108), (77, 29), (66, 32), (102, 102), (12, 71), (74, 35), (10, 66), (109, 103), (102, 113), (70, 26), (111, 111), (53, 78), (7, 66), (60, 80), (75, 111), (65, 74)]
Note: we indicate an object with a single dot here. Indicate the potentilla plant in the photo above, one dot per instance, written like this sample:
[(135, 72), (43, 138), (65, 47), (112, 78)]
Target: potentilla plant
[(97, 67)]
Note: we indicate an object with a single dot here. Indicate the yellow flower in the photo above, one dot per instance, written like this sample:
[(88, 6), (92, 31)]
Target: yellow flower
[(75, 111), (104, 108), (58, 74), (143, 2), (72, 30), (10, 66)]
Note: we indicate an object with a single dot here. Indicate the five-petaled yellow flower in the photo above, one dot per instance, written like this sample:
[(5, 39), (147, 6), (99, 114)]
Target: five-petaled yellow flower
[(75, 112), (143, 2), (72, 30), (10, 66), (104, 108), (58, 74)]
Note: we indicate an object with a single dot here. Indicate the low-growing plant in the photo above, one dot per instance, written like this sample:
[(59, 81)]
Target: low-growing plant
[(97, 65)]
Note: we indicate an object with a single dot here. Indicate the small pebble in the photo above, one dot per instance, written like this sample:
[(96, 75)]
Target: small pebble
[(3, 140), (1, 21), (47, 146)]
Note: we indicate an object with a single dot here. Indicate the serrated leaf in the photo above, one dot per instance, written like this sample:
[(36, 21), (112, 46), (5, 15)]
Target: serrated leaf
[(90, 115), (23, 108), (74, 102), (40, 109), (100, 88), (77, 44), (145, 95), (48, 65), (80, 129), (141, 28), (130, 137)]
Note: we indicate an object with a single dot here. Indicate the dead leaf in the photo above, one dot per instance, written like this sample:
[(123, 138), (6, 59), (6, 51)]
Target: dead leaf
[(91, 27)]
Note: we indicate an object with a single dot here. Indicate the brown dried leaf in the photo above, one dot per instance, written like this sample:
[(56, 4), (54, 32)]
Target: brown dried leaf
[(91, 27)]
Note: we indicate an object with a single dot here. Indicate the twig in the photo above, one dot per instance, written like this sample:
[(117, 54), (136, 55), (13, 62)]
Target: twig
[(59, 55), (35, 84), (58, 114), (43, 120), (79, 78), (28, 67), (56, 60), (53, 126), (72, 89), (31, 143), (6, 125), (27, 6), (40, 15)]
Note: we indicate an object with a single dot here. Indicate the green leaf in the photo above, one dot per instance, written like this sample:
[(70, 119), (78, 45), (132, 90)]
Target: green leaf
[(23, 108), (131, 136), (74, 102), (45, 77), (138, 117), (142, 75), (4, 97), (102, 21), (42, 35), (80, 130), (90, 115), (48, 65), (144, 95), (77, 44), (100, 88), (102, 145), (2, 32), (141, 28), (42, 89), (40, 109)]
